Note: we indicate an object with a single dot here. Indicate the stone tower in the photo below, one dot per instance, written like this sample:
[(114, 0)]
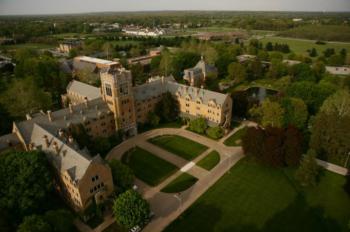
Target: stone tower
[(117, 92)]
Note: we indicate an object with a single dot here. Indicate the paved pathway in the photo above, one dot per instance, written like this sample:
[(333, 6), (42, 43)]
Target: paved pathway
[(165, 206), (333, 168)]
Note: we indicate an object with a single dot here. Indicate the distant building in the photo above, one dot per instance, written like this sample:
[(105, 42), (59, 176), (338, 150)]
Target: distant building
[(341, 71), (291, 62), (68, 45), (143, 31), (245, 57), (145, 60), (197, 75), (84, 66)]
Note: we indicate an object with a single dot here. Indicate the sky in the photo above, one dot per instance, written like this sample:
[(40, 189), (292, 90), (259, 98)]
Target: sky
[(10, 7)]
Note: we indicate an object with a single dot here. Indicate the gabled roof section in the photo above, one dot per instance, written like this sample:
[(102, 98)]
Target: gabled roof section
[(65, 158), (84, 90)]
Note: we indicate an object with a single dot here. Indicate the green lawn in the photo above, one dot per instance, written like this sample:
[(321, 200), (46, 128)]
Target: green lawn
[(181, 183), (28, 45), (253, 198), (180, 146), (300, 46), (234, 140), (148, 167), (209, 161)]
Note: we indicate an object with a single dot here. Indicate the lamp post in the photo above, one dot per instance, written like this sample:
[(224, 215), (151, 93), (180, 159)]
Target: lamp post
[(178, 197), (347, 160)]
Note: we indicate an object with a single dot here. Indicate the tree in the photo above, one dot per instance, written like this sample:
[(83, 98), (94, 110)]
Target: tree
[(313, 52), (312, 94), (302, 72), (60, 220), (269, 47), (130, 209), (269, 113), (198, 125), (153, 119), (308, 171), (26, 182), (347, 185), (34, 223), (252, 142), (167, 108), (292, 146), (23, 96), (330, 130), (236, 72), (123, 176), (295, 112), (215, 132)]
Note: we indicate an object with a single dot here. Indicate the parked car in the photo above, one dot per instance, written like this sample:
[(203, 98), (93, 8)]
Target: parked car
[(135, 229)]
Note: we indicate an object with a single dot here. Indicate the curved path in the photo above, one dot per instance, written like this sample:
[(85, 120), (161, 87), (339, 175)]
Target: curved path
[(168, 207)]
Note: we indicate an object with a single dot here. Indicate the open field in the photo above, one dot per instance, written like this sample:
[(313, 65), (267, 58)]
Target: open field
[(148, 167), (209, 161), (27, 45), (234, 140), (181, 183), (254, 198), (300, 46), (180, 146)]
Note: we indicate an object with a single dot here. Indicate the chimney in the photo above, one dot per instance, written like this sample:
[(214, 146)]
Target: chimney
[(28, 117), (70, 108), (70, 139), (46, 140), (86, 102), (60, 132), (55, 146), (49, 115)]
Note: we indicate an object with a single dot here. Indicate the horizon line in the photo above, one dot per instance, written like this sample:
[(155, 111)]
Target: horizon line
[(159, 11)]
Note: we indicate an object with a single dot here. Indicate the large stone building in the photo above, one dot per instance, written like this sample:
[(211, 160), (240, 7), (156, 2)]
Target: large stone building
[(197, 75), (116, 105), (81, 178)]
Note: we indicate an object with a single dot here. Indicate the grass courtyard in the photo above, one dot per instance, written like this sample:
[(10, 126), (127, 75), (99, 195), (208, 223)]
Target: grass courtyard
[(148, 167), (180, 146), (234, 140), (255, 198), (209, 161), (181, 183)]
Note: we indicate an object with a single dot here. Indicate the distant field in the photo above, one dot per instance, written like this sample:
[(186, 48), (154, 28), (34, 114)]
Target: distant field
[(300, 46), (28, 45)]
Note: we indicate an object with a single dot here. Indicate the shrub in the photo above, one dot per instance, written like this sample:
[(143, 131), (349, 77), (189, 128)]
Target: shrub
[(215, 132), (198, 125)]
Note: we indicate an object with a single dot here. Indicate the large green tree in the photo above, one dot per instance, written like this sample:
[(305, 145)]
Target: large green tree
[(24, 96), (236, 72), (295, 112), (330, 131), (34, 223), (269, 113), (26, 182), (130, 209), (61, 220), (308, 171)]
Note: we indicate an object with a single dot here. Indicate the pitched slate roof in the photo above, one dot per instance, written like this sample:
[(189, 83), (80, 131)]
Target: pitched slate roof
[(83, 89), (67, 159), (157, 87)]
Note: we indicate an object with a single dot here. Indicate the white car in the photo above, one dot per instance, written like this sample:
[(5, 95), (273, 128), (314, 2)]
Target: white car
[(135, 229)]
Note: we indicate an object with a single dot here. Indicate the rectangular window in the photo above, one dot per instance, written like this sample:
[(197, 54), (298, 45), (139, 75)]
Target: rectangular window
[(108, 89)]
